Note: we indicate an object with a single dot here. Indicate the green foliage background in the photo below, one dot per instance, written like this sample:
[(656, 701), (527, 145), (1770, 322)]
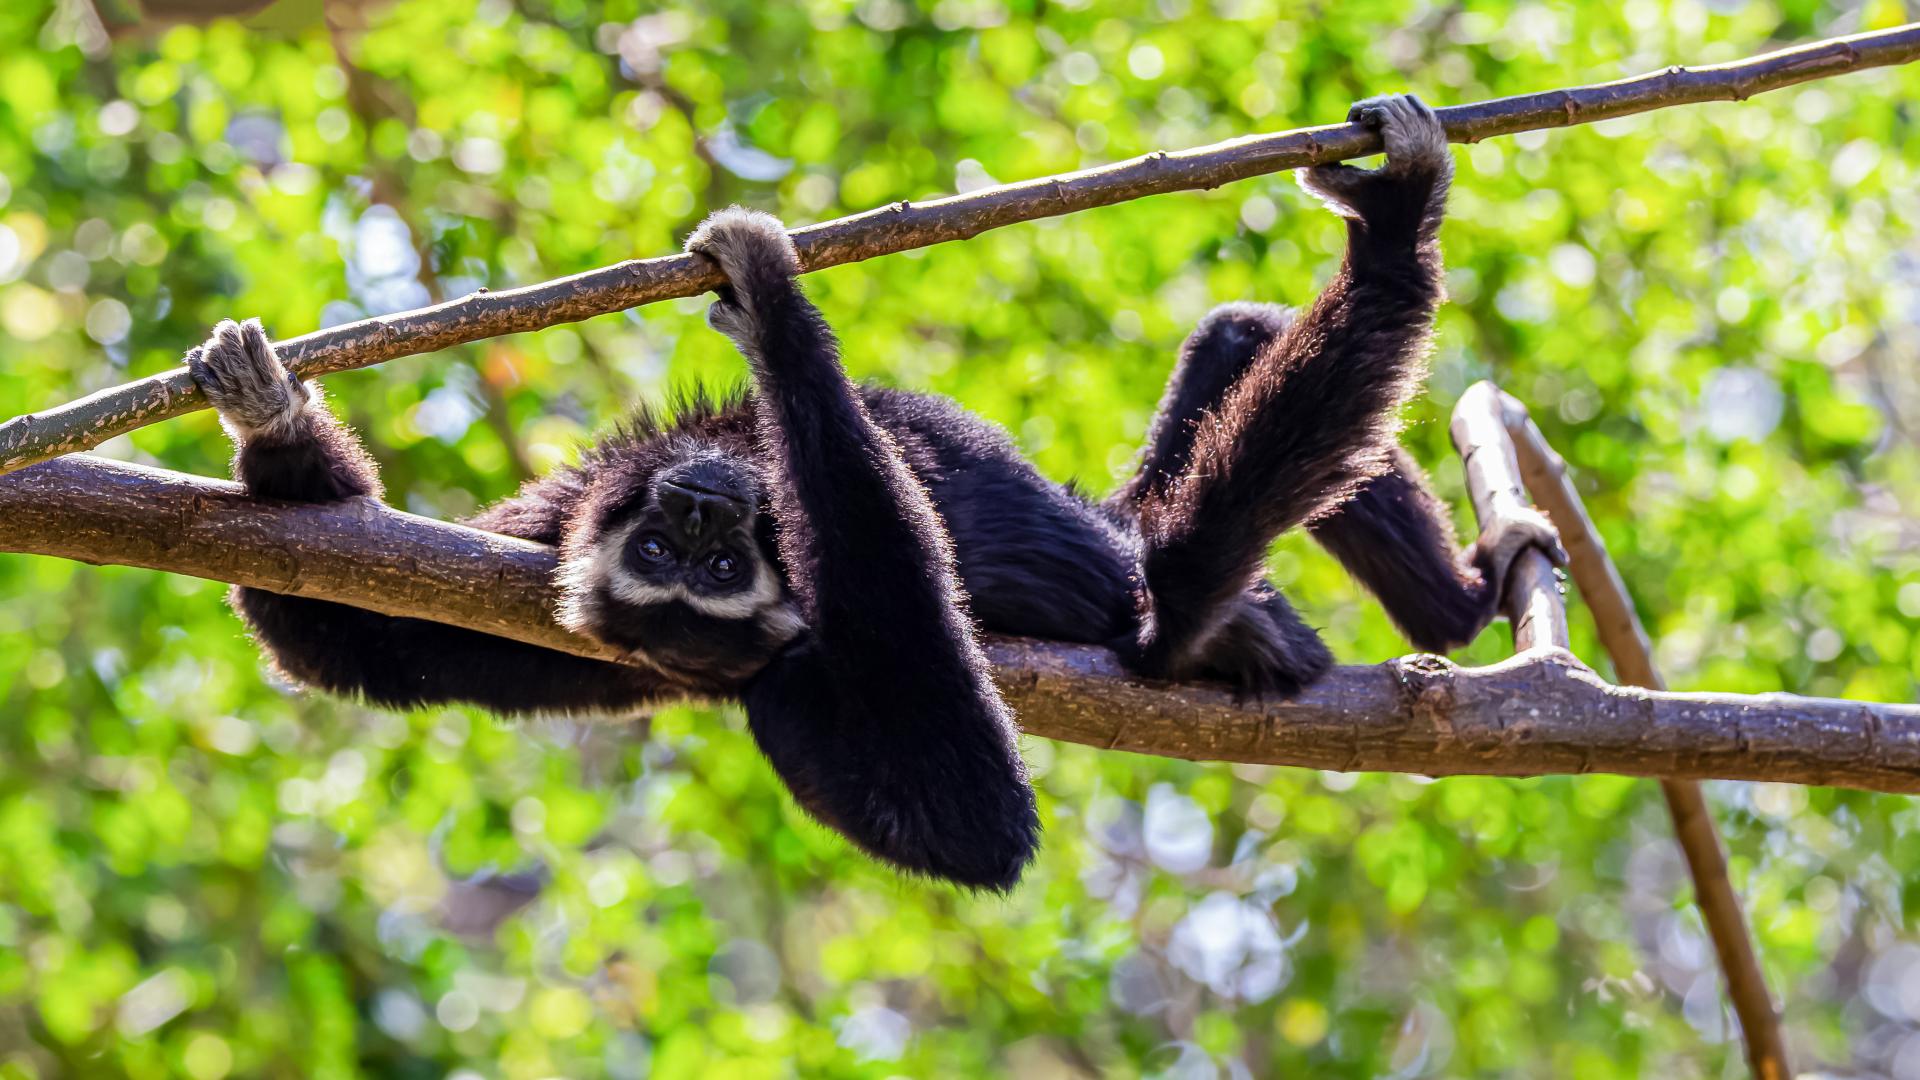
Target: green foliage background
[(1711, 310)]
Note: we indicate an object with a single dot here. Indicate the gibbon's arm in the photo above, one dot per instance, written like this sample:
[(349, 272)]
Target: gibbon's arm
[(1396, 537), (1312, 417), (290, 447), (883, 719)]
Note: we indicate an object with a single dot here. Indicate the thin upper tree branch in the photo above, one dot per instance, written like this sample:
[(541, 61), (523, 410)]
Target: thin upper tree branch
[(1541, 712), (1627, 644), (902, 226)]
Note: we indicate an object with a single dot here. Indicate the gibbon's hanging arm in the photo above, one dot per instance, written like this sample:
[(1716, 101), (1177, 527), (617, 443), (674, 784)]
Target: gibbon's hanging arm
[(902, 226), (1539, 713)]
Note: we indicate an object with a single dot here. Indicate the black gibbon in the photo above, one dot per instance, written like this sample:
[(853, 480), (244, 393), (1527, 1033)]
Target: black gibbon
[(826, 552)]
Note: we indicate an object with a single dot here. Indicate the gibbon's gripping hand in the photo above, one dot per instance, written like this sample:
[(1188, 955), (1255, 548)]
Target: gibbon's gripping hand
[(256, 395), (1509, 531), (752, 249), (1410, 190), (287, 445)]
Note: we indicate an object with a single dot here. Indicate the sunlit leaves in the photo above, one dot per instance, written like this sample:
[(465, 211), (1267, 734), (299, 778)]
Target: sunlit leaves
[(1712, 311)]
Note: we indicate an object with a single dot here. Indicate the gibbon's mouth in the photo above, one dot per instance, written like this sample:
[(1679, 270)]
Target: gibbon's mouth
[(689, 645), (690, 669)]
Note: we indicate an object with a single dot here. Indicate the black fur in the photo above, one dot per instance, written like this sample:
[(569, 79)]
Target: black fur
[(1392, 534), (1304, 425), (857, 526)]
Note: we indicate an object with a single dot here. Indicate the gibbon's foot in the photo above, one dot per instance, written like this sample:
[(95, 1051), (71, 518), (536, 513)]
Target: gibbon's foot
[(752, 249), (1264, 651), (1410, 129), (1416, 145), (1508, 533), (241, 376)]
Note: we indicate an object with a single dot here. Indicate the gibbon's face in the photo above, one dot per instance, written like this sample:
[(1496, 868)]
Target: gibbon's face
[(683, 574)]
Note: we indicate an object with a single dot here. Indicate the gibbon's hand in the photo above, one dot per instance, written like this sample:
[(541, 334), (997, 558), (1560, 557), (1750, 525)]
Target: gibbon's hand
[(752, 249), (1416, 145), (1412, 133), (1508, 532), (238, 371)]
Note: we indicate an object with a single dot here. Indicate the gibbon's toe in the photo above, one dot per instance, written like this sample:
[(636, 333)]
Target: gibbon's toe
[(727, 316), (1508, 533), (745, 244), (1370, 113), (1513, 531), (237, 369)]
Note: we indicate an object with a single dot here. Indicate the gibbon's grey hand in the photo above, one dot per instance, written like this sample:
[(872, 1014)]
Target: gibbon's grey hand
[(238, 371)]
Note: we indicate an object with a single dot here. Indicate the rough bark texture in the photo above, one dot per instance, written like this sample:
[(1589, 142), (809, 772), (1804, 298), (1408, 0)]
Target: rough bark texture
[(88, 422), (1627, 644), (360, 552), (1541, 712)]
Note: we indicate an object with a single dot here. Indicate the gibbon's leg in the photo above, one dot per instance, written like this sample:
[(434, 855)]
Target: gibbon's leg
[(1212, 359), (1311, 418), (290, 447), (883, 719), (1393, 534)]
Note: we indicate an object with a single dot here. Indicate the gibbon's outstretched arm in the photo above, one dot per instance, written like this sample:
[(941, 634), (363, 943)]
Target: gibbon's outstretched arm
[(1396, 536), (290, 447), (1393, 535), (883, 719), (1311, 418)]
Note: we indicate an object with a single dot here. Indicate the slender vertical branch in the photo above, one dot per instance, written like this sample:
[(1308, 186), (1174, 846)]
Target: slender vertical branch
[(1631, 651), (1532, 593)]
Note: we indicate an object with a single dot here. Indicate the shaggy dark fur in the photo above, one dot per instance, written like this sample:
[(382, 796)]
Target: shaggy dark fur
[(813, 548), (1393, 534)]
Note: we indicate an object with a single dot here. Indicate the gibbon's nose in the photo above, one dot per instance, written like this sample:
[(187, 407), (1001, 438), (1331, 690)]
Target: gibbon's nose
[(699, 513)]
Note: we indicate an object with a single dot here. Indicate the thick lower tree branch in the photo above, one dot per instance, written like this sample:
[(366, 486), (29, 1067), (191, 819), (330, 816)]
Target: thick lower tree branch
[(1542, 712), (902, 226)]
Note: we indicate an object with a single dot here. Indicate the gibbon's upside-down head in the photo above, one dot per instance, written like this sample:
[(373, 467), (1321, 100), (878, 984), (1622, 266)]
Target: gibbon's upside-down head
[(670, 555)]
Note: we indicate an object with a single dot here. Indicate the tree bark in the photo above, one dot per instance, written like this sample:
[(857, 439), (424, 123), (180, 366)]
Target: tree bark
[(1541, 712), (86, 423)]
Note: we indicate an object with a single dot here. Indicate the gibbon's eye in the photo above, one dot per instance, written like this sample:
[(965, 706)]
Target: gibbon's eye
[(723, 566), (653, 549)]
